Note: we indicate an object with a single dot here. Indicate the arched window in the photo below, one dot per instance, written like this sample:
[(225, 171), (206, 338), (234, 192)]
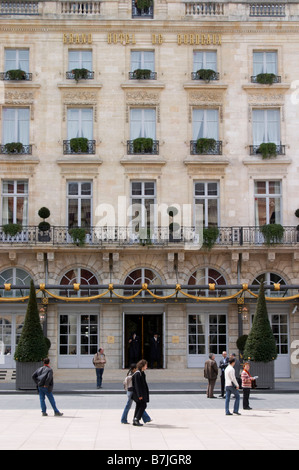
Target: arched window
[(270, 279), (205, 276), (80, 276), (15, 276), (141, 276)]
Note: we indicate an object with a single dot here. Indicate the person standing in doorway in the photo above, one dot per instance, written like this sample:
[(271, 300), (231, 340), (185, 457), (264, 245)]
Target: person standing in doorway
[(231, 387), (155, 352), (211, 373), (140, 391), (43, 377), (134, 348), (222, 366), (99, 361)]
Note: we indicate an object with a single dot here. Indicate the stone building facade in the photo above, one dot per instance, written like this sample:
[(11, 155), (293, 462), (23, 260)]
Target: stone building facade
[(93, 183)]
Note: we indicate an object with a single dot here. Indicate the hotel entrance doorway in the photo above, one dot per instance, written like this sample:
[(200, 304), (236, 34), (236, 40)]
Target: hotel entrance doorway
[(145, 326)]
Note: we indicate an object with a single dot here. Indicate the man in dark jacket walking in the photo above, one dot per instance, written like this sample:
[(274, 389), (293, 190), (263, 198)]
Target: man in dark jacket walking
[(43, 377), (211, 373), (140, 391)]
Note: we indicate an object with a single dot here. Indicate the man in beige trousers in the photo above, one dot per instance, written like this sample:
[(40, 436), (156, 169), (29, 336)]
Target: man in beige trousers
[(211, 373)]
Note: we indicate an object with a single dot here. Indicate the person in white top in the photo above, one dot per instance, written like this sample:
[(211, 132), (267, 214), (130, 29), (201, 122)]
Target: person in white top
[(231, 387)]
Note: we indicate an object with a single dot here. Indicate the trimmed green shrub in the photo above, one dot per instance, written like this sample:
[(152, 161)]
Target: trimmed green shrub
[(210, 235), (12, 229), (143, 145), (206, 74), (142, 74), (14, 147), (272, 233), (265, 78), (205, 145), (79, 145), (268, 150)]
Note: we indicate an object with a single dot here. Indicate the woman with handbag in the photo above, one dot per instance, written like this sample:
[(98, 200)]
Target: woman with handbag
[(247, 383), (99, 361)]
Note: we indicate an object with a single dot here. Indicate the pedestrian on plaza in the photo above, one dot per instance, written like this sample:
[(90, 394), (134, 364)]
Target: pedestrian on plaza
[(237, 368), (211, 373), (231, 387), (128, 385), (43, 377), (99, 361), (134, 348), (140, 391), (223, 365), (246, 385)]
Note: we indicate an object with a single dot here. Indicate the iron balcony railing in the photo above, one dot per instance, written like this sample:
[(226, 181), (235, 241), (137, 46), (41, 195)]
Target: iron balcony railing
[(158, 236), (196, 76), (71, 76), (255, 149), (131, 149), (24, 150), (134, 76), (215, 150), (276, 79), (7, 77), (68, 150)]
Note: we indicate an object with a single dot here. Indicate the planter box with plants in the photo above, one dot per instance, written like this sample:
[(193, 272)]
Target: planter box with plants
[(260, 348), (205, 74), (32, 347), (12, 229), (80, 74), (210, 235), (143, 145), (78, 235), (44, 227), (265, 78), (142, 74), (14, 148), (16, 74), (272, 233), (206, 146)]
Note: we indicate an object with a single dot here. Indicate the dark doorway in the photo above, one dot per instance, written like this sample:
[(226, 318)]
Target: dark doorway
[(145, 326)]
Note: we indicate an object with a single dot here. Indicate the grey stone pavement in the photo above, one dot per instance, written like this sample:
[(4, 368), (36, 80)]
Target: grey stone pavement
[(183, 420)]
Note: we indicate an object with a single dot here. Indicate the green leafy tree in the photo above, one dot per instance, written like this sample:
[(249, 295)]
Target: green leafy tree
[(261, 345), (32, 346)]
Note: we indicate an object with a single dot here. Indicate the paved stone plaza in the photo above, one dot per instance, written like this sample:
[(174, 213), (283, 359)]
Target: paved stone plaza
[(180, 422)]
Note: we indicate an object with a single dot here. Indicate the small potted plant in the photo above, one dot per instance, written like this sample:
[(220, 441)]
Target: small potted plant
[(14, 147), (206, 75), (267, 150), (272, 233), (12, 229), (44, 227), (265, 78), (78, 235), (143, 145), (205, 146), (80, 74), (79, 145)]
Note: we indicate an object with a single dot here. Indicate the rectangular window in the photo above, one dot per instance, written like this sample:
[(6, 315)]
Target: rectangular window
[(78, 334), (15, 125), (207, 333), (143, 200), (15, 202), (205, 124), (266, 126), (204, 60), (143, 60), (80, 59), (80, 123), (207, 194), (142, 123), (79, 204), (268, 202), (16, 59), (264, 62)]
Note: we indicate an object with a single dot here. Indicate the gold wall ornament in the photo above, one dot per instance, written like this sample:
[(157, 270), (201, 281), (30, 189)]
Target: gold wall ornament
[(7, 286), (196, 39), (76, 286), (121, 38)]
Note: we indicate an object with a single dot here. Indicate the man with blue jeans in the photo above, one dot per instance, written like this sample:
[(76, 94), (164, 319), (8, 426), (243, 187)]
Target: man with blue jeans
[(231, 387), (43, 377)]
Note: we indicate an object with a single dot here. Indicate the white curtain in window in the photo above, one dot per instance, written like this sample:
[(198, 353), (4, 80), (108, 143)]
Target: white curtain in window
[(17, 59), (80, 60), (205, 124), (80, 123), (264, 62), (205, 60), (143, 123), (16, 125), (142, 60), (266, 126)]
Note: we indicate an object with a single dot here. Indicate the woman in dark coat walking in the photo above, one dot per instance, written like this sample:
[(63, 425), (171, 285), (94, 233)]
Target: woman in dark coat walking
[(140, 391)]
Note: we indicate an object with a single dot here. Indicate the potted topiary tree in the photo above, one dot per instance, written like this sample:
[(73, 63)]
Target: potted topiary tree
[(260, 347), (32, 347), (44, 227)]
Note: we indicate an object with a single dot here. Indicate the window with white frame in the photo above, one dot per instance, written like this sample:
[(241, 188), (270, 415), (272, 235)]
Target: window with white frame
[(15, 202), (266, 126), (142, 123), (79, 204), (15, 127), (206, 193), (143, 60), (205, 123), (80, 123), (16, 59), (204, 60), (268, 202), (143, 201), (80, 59), (17, 277), (264, 62)]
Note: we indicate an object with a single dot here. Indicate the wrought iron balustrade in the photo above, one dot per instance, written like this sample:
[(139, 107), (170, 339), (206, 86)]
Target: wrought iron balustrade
[(276, 79), (90, 150), (255, 149), (7, 77), (215, 150), (131, 149), (196, 76), (88, 76), (24, 150), (135, 76)]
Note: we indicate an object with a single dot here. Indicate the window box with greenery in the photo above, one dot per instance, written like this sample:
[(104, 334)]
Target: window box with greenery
[(32, 347), (13, 148), (260, 348), (266, 78), (209, 237), (11, 229), (78, 235), (205, 74), (80, 74), (272, 233), (267, 150), (143, 74), (205, 146), (16, 75), (143, 145), (44, 227)]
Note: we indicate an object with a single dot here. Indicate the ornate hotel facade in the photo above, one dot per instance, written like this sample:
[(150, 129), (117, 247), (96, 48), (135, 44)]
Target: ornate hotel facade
[(123, 119)]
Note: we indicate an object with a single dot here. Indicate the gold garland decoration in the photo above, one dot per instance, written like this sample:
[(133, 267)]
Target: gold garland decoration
[(144, 288)]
